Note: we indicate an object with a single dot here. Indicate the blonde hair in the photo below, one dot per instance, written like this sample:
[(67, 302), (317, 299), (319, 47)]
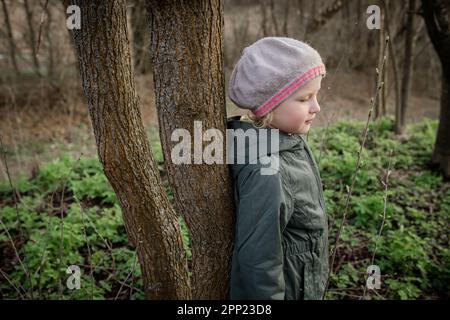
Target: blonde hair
[(259, 122)]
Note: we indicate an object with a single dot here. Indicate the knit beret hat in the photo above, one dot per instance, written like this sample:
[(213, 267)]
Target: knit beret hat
[(271, 70)]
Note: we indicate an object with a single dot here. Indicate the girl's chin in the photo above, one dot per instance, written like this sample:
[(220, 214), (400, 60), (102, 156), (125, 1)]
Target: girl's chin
[(304, 129), (300, 130)]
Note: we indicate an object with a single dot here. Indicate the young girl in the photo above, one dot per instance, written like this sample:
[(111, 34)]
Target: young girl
[(281, 239)]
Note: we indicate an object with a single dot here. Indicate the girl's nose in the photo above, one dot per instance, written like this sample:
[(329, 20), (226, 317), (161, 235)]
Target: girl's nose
[(315, 108)]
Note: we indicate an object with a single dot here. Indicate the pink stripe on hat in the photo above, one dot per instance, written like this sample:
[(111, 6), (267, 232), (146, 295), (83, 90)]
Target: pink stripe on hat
[(276, 99)]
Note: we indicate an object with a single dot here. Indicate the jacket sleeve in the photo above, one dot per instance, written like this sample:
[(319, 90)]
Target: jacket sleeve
[(259, 251)]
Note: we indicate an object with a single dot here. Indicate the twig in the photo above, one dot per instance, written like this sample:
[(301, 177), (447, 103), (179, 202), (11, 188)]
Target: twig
[(134, 263), (385, 183), (128, 276), (3, 151), (22, 263), (44, 9), (88, 248), (103, 239), (61, 245), (37, 273), (358, 164), (324, 138), (129, 286), (12, 283)]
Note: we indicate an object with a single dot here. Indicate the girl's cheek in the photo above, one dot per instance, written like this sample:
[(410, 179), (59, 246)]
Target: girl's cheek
[(293, 115), (297, 116)]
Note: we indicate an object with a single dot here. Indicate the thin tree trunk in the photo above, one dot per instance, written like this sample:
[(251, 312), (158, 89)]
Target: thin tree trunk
[(436, 14), (395, 71), (274, 17), (286, 18), (301, 17), (104, 60), (31, 36), (12, 45), (380, 105), (51, 47), (408, 67), (187, 46), (140, 32), (264, 19)]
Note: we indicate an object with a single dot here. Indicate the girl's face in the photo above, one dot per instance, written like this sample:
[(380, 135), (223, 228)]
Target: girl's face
[(296, 114)]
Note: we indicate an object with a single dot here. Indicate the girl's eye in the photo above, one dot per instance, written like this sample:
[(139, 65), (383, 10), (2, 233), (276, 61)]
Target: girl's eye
[(304, 99)]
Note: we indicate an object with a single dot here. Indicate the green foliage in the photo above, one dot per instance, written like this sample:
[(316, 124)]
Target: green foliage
[(404, 250), (347, 276), (186, 241), (157, 152), (412, 251), (88, 237), (94, 186), (405, 288), (22, 184), (69, 215), (56, 174)]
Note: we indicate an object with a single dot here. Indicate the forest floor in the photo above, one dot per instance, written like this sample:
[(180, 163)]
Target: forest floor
[(70, 215)]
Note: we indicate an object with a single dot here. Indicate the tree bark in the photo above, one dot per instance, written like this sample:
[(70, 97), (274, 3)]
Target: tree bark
[(187, 47), (436, 14), (103, 54)]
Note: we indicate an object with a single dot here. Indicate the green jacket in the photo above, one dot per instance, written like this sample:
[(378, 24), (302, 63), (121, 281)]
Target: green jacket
[(281, 235)]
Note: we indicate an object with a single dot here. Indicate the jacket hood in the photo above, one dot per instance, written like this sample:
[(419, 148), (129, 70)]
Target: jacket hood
[(248, 144)]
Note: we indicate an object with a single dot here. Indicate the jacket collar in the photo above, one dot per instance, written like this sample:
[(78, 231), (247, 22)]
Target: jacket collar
[(287, 141)]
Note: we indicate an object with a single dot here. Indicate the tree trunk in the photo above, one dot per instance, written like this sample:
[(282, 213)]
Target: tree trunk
[(286, 9), (187, 47), (51, 46), (301, 18), (380, 103), (31, 36), (436, 14), (103, 54), (12, 45), (264, 28), (395, 72), (141, 37), (408, 65), (274, 17)]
